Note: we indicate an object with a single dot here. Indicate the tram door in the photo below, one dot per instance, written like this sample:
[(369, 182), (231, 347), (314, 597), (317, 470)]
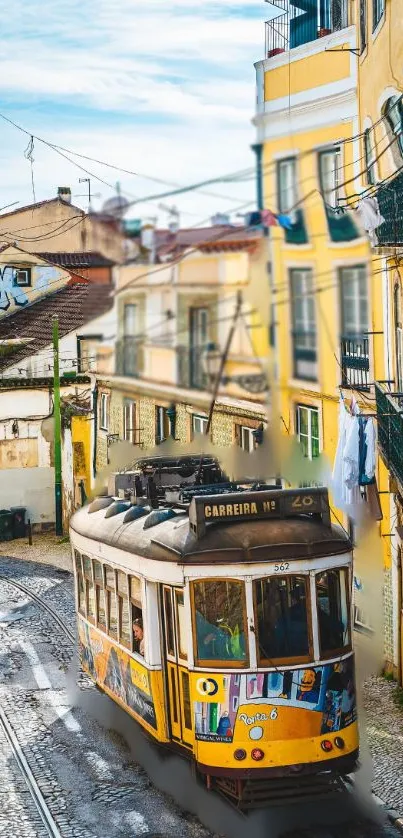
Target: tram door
[(177, 676)]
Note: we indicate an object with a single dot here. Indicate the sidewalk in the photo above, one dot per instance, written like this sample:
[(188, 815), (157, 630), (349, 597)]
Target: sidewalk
[(385, 739), (47, 549)]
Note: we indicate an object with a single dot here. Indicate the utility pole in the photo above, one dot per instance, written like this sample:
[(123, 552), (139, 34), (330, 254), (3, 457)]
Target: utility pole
[(58, 427), (87, 180)]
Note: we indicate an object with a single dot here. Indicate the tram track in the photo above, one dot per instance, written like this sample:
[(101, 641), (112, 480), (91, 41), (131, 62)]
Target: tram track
[(45, 605)]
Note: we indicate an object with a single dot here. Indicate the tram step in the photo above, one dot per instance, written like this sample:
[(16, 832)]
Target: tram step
[(256, 793)]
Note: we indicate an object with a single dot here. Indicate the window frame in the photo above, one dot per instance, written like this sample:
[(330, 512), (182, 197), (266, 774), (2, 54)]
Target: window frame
[(28, 275), (310, 408), (200, 418), (288, 165), (391, 127), (342, 272), (109, 591), (122, 599), (251, 439), (161, 424), (133, 604), (129, 408), (99, 590), (378, 12), (79, 574), (104, 407), (89, 581), (201, 663), (325, 655), (334, 151), (305, 276), (274, 662)]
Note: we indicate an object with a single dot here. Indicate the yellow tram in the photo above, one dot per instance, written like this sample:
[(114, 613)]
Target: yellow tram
[(218, 615)]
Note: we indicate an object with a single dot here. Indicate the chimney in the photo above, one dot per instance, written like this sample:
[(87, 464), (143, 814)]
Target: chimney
[(220, 219), (64, 192)]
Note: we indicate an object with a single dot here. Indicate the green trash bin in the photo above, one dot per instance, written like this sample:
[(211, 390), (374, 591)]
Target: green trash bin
[(6, 525), (19, 526)]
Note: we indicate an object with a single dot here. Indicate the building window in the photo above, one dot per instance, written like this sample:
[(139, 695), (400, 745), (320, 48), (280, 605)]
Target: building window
[(130, 320), (378, 10), (286, 185), (104, 412), (199, 424), (393, 115), (129, 421), (354, 300), (329, 171), (398, 317), (161, 424), (303, 324), (22, 277), (198, 343), (245, 438), (363, 25), (370, 156), (307, 428)]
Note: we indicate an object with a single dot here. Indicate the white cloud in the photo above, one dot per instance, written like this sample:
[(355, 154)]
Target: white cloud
[(168, 90)]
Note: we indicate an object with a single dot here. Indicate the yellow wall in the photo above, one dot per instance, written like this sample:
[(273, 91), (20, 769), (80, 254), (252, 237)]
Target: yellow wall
[(317, 70), (81, 441)]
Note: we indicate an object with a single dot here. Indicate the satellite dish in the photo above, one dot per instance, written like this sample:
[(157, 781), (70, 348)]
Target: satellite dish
[(116, 206)]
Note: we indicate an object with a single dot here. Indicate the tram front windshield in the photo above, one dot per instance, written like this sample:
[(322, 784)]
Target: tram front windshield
[(282, 614), (220, 620)]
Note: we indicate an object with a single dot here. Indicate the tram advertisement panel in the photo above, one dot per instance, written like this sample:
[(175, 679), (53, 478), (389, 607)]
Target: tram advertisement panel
[(114, 669), (300, 703)]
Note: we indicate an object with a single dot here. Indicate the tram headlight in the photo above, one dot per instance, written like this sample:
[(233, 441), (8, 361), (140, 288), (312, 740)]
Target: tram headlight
[(239, 754), (339, 742), (326, 745), (257, 754)]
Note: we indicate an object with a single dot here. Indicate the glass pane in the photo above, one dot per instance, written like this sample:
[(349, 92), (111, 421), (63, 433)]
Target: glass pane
[(122, 582), (187, 706), (183, 632), (101, 606), (314, 424), (124, 618), (77, 561), (81, 594), (220, 619), (281, 605), (98, 572), (113, 614), (169, 625), (333, 622), (90, 601), (303, 420), (135, 590), (110, 577), (87, 567)]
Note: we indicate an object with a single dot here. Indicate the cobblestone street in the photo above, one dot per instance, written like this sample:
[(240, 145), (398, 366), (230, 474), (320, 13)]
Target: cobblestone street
[(91, 783)]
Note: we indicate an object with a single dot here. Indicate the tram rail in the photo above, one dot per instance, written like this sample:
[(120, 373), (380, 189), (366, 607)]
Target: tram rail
[(59, 620)]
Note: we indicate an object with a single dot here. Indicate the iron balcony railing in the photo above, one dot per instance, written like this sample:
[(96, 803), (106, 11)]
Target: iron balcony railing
[(301, 21), (190, 369), (390, 200), (389, 409), (129, 356), (355, 362)]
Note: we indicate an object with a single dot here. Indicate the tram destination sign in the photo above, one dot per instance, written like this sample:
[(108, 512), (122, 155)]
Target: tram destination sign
[(252, 506)]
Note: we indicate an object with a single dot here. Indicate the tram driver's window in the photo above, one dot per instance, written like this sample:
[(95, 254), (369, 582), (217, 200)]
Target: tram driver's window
[(219, 615), (333, 611), (282, 618)]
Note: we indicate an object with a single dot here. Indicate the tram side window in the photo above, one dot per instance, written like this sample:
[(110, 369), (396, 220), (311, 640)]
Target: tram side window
[(111, 606), (89, 588), (123, 604), (220, 619), (333, 611), (136, 609), (282, 618), (99, 595), (80, 583)]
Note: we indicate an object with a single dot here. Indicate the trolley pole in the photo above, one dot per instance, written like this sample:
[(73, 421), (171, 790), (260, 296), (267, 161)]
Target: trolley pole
[(58, 427)]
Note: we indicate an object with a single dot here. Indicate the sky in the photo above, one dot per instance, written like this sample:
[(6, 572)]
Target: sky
[(165, 89)]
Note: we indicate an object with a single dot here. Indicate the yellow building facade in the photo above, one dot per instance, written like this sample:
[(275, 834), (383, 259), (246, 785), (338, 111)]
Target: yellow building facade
[(326, 304), (380, 78)]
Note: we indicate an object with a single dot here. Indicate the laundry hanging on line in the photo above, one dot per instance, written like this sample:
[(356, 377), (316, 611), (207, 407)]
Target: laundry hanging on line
[(370, 217), (353, 477), (267, 218)]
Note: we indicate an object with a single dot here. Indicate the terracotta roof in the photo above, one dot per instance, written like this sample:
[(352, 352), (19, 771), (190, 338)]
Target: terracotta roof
[(75, 306), (220, 236), (80, 259)]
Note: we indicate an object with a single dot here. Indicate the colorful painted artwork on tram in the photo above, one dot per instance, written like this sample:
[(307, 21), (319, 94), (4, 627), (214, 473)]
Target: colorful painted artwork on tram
[(273, 700)]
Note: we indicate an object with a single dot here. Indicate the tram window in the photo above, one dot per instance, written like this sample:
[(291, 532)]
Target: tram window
[(136, 613), (77, 560), (87, 567), (110, 577), (333, 611), (122, 583), (181, 623), (90, 601), (220, 613), (112, 613), (282, 618), (169, 623), (187, 706), (81, 594), (98, 575), (124, 621), (100, 606)]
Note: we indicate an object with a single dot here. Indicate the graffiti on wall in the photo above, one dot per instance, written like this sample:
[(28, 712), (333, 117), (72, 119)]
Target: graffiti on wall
[(268, 704), (43, 276)]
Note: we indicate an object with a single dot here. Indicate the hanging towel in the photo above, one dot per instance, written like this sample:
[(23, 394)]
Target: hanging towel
[(268, 218), (370, 217), (285, 221), (338, 485), (370, 461)]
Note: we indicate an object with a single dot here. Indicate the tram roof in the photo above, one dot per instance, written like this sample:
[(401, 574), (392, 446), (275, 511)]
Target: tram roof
[(223, 543)]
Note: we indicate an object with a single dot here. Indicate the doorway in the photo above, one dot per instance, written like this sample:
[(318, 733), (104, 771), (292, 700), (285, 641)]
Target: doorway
[(176, 640)]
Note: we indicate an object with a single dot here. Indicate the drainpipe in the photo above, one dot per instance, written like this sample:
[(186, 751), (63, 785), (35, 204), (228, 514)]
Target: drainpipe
[(95, 411)]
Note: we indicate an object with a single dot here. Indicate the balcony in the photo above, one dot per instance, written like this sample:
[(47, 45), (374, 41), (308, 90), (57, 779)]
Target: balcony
[(191, 373), (129, 356), (304, 356), (294, 27), (355, 362), (390, 198), (389, 408)]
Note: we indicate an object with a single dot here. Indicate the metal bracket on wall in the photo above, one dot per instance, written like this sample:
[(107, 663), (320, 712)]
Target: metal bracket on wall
[(354, 50)]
